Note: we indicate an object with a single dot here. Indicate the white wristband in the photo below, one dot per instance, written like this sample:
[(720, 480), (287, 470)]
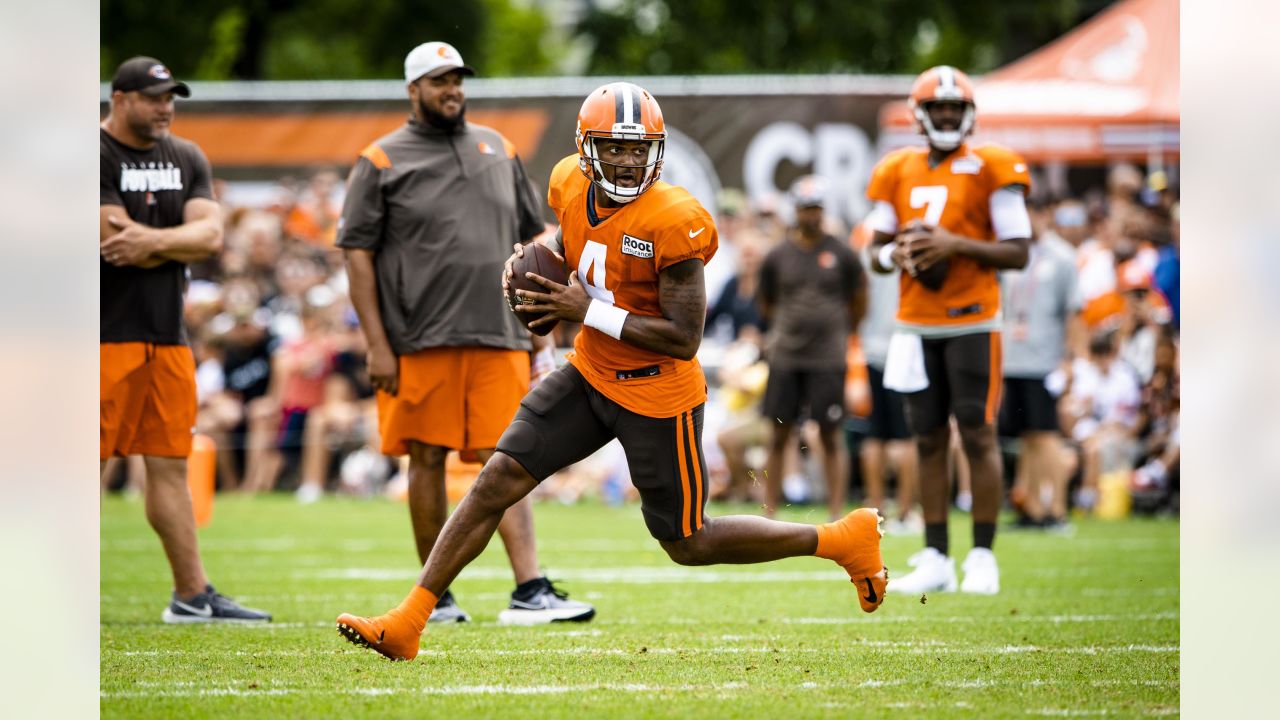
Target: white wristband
[(606, 317), (885, 255)]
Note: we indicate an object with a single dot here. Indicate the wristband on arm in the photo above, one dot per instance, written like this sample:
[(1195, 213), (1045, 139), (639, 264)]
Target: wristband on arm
[(885, 256), (606, 317)]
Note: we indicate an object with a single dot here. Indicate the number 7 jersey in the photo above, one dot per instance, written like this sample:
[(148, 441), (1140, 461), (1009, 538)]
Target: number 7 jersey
[(956, 196), (618, 259)]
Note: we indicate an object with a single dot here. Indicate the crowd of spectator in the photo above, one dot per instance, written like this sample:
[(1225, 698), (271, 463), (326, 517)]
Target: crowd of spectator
[(284, 393)]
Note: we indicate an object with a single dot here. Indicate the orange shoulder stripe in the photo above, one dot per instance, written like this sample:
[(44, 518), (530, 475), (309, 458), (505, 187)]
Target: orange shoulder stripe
[(377, 156)]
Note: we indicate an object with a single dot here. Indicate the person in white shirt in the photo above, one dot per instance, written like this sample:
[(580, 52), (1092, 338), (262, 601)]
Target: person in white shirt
[(1100, 412)]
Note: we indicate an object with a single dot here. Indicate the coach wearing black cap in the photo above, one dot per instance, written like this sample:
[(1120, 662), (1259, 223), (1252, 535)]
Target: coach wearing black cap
[(148, 76), (155, 214)]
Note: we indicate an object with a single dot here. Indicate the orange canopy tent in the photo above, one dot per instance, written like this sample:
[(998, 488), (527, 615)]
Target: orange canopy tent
[(1107, 90)]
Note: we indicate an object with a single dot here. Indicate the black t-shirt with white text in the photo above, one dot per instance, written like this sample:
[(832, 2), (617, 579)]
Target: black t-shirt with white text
[(809, 289), (153, 186)]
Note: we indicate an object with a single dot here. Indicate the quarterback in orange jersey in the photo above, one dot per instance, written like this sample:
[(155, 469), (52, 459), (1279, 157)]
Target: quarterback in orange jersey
[(950, 215), (636, 247)]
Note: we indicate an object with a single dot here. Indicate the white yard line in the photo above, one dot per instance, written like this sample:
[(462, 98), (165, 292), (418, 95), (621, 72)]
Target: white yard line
[(485, 597), (639, 575), (923, 648), (446, 690), (648, 575), (155, 689), (1055, 619), (847, 620)]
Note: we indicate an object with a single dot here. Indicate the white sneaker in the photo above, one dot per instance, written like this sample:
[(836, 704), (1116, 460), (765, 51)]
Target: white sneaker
[(981, 575), (933, 572), (447, 611), (964, 502), (912, 524), (307, 493), (545, 604)]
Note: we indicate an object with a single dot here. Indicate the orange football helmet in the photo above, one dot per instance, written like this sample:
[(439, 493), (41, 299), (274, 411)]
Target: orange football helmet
[(620, 111), (942, 84)]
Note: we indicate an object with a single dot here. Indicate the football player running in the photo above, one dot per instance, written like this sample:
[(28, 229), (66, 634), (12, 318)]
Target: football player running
[(950, 215), (637, 246)]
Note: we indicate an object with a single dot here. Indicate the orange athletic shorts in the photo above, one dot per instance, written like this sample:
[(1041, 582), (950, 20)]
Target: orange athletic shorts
[(458, 398), (147, 402)]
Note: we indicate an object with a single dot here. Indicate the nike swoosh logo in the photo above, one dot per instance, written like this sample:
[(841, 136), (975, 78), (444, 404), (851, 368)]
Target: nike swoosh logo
[(206, 611), (693, 234), (542, 604), (871, 592)]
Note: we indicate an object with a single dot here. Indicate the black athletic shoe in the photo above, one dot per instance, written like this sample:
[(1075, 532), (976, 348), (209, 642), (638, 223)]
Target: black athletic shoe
[(538, 602), (1025, 522), (211, 606), (447, 611)]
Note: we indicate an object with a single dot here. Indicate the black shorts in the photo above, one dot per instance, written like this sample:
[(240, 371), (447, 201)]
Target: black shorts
[(964, 380), (795, 394), (1027, 407), (888, 412), (565, 419)]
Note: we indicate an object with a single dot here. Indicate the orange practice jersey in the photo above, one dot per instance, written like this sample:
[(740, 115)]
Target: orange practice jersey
[(956, 195), (618, 259)]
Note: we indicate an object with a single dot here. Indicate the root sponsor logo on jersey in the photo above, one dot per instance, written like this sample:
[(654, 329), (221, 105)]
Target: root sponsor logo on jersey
[(637, 247), (150, 178)]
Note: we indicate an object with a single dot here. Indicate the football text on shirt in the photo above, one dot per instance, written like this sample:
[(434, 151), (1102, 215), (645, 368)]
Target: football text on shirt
[(150, 179)]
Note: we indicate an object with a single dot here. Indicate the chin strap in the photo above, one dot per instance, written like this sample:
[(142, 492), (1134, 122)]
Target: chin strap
[(653, 168), (945, 139)]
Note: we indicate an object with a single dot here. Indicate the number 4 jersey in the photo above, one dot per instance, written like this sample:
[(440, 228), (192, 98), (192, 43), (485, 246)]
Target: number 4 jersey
[(618, 259), (956, 195)]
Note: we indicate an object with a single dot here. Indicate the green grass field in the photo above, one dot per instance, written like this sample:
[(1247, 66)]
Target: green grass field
[(1085, 625)]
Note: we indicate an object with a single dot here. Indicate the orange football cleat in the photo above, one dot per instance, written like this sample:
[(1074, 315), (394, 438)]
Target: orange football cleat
[(855, 541), (391, 634)]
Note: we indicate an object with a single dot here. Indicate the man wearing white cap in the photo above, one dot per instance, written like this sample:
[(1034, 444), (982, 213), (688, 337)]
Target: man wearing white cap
[(431, 213)]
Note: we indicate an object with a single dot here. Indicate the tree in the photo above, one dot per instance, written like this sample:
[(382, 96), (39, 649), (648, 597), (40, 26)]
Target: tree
[(320, 39), (336, 39), (820, 36)]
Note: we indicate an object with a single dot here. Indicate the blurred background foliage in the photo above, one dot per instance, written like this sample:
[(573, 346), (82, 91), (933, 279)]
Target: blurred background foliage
[(351, 39)]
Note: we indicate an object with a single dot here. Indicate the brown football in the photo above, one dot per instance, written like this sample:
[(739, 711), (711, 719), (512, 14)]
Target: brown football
[(539, 260), (933, 278)]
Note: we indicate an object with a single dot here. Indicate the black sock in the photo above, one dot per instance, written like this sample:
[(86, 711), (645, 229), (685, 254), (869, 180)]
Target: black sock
[(984, 534), (527, 589), (935, 536)]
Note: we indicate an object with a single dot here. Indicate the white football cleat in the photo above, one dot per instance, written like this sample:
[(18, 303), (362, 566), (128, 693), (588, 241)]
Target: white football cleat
[(912, 524), (981, 574), (934, 572)]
